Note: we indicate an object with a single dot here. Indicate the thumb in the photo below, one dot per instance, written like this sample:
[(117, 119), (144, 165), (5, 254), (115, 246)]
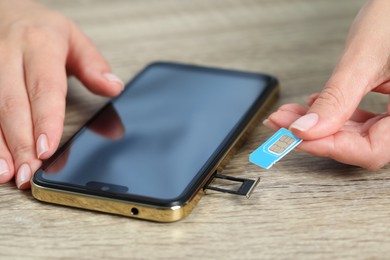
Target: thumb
[(333, 107), (90, 67)]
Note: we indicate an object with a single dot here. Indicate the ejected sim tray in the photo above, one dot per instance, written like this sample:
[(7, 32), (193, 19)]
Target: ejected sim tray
[(274, 149), (246, 188)]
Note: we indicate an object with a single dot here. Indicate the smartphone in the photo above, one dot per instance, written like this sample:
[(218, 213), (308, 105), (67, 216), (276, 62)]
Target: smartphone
[(150, 151)]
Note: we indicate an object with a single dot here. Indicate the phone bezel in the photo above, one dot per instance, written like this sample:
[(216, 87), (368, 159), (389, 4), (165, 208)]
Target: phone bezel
[(196, 184)]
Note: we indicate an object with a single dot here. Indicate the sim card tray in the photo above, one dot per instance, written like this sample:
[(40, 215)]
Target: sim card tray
[(245, 189)]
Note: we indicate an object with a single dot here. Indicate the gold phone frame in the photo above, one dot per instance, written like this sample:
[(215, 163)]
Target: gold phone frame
[(144, 211)]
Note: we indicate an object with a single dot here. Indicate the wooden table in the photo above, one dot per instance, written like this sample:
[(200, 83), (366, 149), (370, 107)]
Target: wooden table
[(304, 207)]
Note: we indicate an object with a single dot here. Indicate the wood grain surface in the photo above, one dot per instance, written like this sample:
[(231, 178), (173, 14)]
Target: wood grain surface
[(305, 207)]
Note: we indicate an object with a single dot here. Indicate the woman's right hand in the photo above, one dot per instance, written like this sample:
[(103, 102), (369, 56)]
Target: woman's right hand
[(333, 125)]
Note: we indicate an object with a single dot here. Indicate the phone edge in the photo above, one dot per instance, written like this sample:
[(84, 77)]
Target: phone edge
[(113, 206)]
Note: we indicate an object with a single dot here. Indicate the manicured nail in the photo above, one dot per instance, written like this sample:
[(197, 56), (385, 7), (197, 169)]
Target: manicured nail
[(114, 78), (269, 124), (3, 167), (42, 145), (23, 176), (4, 171), (305, 122)]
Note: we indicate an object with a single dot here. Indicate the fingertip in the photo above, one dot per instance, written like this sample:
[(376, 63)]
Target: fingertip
[(295, 108), (105, 84), (305, 122), (276, 116), (310, 99), (87, 63), (283, 118), (42, 146), (114, 79), (46, 144), (271, 125), (25, 186), (115, 83), (23, 177), (5, 173), (5, 177)]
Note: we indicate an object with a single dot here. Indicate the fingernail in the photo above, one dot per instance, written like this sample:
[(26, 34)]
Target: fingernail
[(114, 78), (267, 123), (3, 167), (23, 176), (42, 145), (305, 122), (4, 171)]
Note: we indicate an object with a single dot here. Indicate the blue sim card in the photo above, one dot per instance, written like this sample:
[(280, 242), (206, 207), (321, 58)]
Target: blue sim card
[(277, 146)]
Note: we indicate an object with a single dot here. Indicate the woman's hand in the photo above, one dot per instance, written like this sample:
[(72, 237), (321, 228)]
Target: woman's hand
[(38, 46), (332, 126)]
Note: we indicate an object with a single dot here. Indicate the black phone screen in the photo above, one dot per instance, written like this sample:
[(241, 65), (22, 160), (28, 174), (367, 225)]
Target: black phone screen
[(158, 138)]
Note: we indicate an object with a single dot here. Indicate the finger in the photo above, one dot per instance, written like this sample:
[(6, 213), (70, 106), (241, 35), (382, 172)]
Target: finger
[(269, 124), (345, 146), (383, 88), (45, 77), (359, 115), (283, 118), (310, 100), (332, 108), (379, 143), (88, 64), (296, 108), (15, 118), (287, 117), (6, 163), (369, 151), (320, 147), (371, 122)]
